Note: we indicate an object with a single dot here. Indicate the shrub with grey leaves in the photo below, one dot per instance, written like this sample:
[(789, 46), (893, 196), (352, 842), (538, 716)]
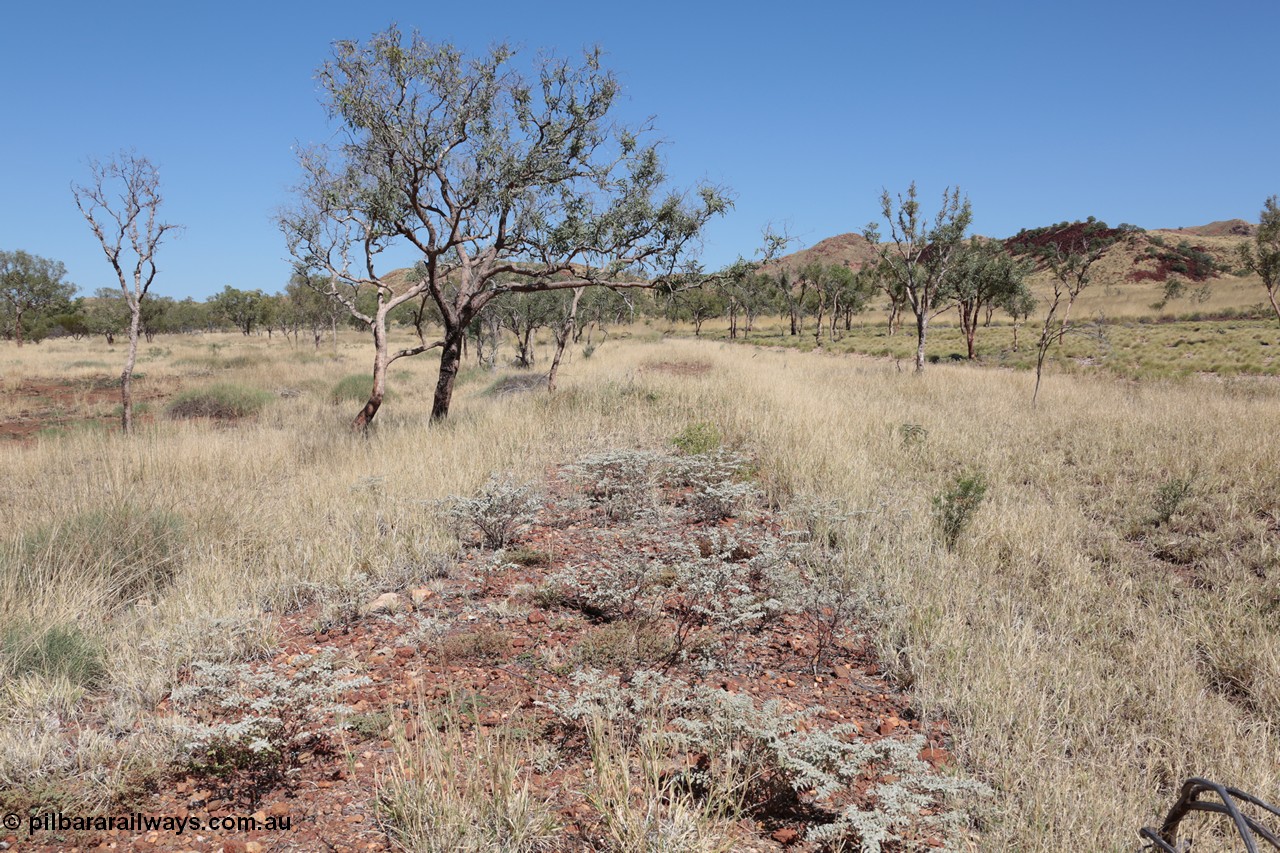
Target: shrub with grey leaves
[(502, 510)]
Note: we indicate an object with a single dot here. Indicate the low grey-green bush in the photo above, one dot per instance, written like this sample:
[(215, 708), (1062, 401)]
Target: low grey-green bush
[(245, 728), (500, 511)]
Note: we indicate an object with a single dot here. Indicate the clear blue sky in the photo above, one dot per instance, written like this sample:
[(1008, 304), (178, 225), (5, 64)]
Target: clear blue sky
[(1157, 113)]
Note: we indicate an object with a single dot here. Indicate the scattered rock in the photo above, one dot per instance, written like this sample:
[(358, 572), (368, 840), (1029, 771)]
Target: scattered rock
[(935, 756), (537, 617), (388, 602), (786, 836), (421, 596)]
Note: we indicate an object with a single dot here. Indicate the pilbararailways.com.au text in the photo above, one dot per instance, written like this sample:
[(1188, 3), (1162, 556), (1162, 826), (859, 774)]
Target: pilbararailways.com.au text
[(135, 822)]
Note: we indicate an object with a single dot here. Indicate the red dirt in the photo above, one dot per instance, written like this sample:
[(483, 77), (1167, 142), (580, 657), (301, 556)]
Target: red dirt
[(49, 404), (331, 802)]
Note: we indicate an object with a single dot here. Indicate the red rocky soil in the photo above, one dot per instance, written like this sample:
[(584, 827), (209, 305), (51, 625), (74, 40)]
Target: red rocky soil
[(528, 648)]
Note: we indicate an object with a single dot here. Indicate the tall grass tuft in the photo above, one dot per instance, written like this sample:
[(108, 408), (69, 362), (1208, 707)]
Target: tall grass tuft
[(224, 401)]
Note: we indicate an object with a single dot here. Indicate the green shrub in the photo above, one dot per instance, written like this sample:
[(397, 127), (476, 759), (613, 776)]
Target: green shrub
[(1170, 496), (517, 383), (222, 402), (353, 389), (130, 550), (700, 437), (912, 434), (58, 650), (955, 506)]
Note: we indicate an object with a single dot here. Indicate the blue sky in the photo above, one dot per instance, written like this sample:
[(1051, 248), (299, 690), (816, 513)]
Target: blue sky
[(1160, 114)]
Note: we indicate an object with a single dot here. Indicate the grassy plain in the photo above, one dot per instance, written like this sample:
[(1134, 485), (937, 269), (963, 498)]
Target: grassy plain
[(1106, 627), (1130, 349)]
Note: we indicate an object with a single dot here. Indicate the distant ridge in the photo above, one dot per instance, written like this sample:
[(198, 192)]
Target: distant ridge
[(851, 250), (1198, 253), (1222, 228)]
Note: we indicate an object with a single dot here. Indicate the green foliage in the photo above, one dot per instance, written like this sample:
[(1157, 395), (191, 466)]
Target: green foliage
[(700, 437), (354, 388), (55, 651), (955, 507), (912, 434), (242, 308), (1262, 254), (128, 550), (1170, 496), (494, 145), (32, 289), (224, 401)]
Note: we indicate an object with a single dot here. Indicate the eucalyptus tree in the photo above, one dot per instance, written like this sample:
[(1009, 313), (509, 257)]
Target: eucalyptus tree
[(31, 285), (1018, 304), (1069, 251), (523, 314), (919, 252), (121, 203), (1261, 255), (983, 276), (244, 309), (500, 178)]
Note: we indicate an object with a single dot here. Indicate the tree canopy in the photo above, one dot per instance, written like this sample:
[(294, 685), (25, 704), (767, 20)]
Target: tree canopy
[(502, 177), (30, 284)]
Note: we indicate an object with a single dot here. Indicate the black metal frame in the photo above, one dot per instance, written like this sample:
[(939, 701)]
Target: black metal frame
[(1165, 839)]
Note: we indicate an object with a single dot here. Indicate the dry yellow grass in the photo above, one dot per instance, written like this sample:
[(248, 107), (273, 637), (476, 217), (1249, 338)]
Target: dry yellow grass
[(1090, 657)]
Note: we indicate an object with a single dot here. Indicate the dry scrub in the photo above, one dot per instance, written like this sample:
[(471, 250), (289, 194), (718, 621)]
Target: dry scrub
[(1093, 644)]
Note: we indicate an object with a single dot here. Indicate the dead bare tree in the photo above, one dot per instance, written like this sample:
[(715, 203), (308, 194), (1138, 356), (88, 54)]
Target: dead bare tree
[(121, 203)]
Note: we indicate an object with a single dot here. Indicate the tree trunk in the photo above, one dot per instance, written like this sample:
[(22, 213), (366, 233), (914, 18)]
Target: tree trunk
[(969, 324), (17, 328), (381, 358), (1066, 319), (563, 336), (1271, 294), (1039, 370), (893, 318), (126, 375), (524, 355), (333, 325), (922, 329), (450, 358)]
